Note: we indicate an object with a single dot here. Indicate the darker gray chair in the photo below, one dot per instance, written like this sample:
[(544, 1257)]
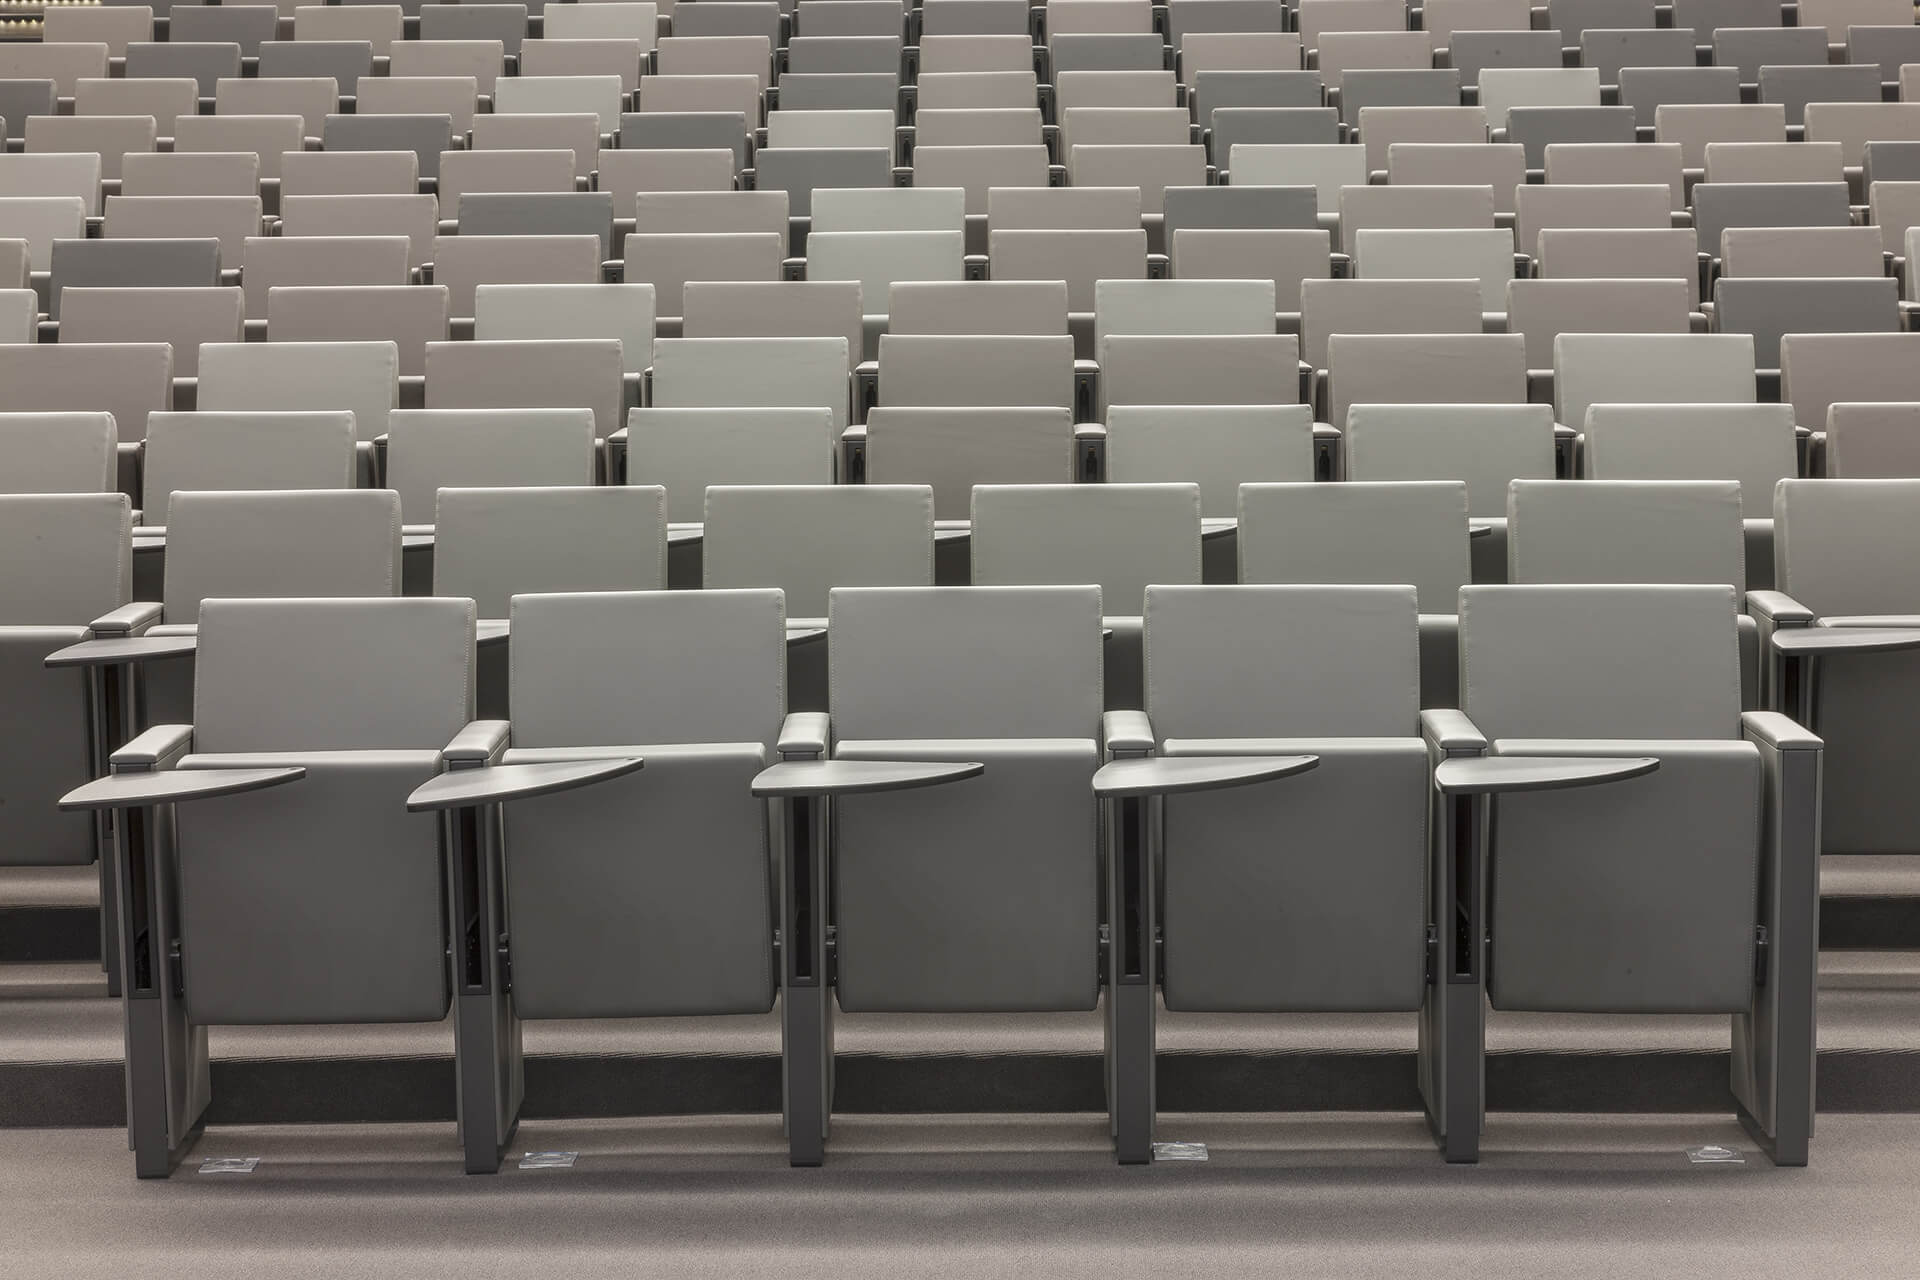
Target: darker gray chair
[(1471, 52), (1795, 87), (1749, 49), (798, 170), (1890, 162), (1888, 48), (1836, 582), (1769, 309), (539, 213), (343, 60), (426, 136), (204, 64), (154, 264), (1705, 17), (1224, 15), (20, 99), (1574, 18), (1102, 51), (845, 91), (1687, 889), (706, 130), (1612, 50), (1215, 89), (1537, 128), (1719, 205), (1310, 125), (1279, 208), (247, 25)]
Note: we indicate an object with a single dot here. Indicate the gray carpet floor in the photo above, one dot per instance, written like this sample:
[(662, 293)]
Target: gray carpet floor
[(1332, 1196)]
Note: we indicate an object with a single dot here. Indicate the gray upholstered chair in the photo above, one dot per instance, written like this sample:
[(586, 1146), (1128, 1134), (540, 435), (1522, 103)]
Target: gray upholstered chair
[(244, 450), (1836, 570), (1683, 880), (807, 539), (255, 908), (491, 544), (1308, 895), (1120, 537), (57, 453), (1391, 532)]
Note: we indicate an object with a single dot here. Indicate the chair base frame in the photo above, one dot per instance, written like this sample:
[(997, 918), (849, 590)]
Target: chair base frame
[(487, 1054)]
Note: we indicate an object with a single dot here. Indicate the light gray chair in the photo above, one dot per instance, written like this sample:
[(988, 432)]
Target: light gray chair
[(1120, 537), (1834, 570), (808, 539), (1408, 531), (57, 453), (1873, 441), (1677, 876), (226, 451), (266, 893)]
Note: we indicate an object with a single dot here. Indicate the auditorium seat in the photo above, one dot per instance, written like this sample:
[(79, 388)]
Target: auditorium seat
[(1442, 368), (334, 261), (1500, 166), (1873, 441), (206, 64), (183, 318), (1580, 253), (575, 131), (1195, 369), (1748, 49), (481, 59), (1562, 205), (55, 452), (1442, 254), (1542, 310), (1618, 164), (1647, 89), (312, 99), (109, 137), (206, 452), (569, 373), (1410, 531), (1775, 162), (1414, 208), (1328, 307), (126, 379), (427, 136), (1819, 370), (336, 173), (1694, 125), (1794, 87), (192, 173), (1660, 368), (1770, 308), (246, 25), (363, 377), (452, 96)]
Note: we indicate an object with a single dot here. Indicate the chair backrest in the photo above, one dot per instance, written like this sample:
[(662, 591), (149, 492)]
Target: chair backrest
[(929, 662), (1177, 369), (1182, 307), (1873, 441), (1653, 368), (481, 59), (1352, 668), (409, 316), (462, 173), (536, 95), (506, 23), (270, 261), (878, 258), (776, 309), (1080, 258), (584, 373), (1775, 162), (71, 174), (1647, 89), (1634, 661), (953, 449), (1771, 308), (1381, 127), (808, 539), (1538, 208), (548, 311), (1153, 168), (799, 170), (1286, 257), (1121, 537), (1487, 446), (228, 219), (186, 173), (594, 57), (490, 545), (1503, 88), (1719, 205), (943, 370), (1328, 307), (40, 221), (741, 372), (1819, 370), (686, 451), (1411, 531), (942, 90), (363, 377), (413, 216), (973, 126), (1694, 125), (1537, 128), (1254, 126), (1542, 310), (1833, 543), (1621, 164), (81, 566), (711, 212), (575, 131), (310, 98), (1217, 447), (427, 136), (669, 262), (350, 173), (1326, 168), (279, 542), (1751, 443), (211, 451), (1570, 253), (186, 318), (463, 262), (1474, 51), (1626, 531), (56, 452), (918, 208), (539, 213), (164, 100), (1816, 252), (109, 137), (321, 693), (1036, 307), (1444, 254), (1612, 51), (126, 379), (1440, 368), (1797, 87), (433, 449)]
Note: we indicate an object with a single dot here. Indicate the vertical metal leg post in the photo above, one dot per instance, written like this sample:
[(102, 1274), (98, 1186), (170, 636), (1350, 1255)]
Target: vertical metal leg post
[(1453, 1025), (806, 995), (487, 1057), (1132, 834)]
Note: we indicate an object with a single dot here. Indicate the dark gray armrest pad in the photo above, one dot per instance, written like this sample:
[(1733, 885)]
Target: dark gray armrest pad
[(804, 733), (128, 619), (172, 786), (1780, 607), (1813, 641), (470, 788), (1451, 730), (479, 742), (1781, 732), (1129, 731), (156, 748), (122, 649), (1506, 775)]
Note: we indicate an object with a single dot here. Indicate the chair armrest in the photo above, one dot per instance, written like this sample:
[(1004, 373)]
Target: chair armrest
[(480, 743), (1507, 775), (121, 650), (1126, 734), (471, 788), (127, 620), (1778, 732), (1090, 452), (1181, 775), (1779, 608), (158, 748), (139, 790), (853, 454), (1450, 732), (804, 735)]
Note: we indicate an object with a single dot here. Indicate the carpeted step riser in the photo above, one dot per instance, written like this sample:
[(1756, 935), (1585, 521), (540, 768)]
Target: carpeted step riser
[(403, 1090)]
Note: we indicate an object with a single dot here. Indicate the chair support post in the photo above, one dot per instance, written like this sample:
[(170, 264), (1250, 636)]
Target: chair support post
[(1453, 1020), (487, 1048), (1133, 833), (806, 999)]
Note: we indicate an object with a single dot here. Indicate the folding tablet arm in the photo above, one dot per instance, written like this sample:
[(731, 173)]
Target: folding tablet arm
[(1131, 788), (806, 783), (468, 797), (1453, 1021), (167, 1084), (1796, 641)]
